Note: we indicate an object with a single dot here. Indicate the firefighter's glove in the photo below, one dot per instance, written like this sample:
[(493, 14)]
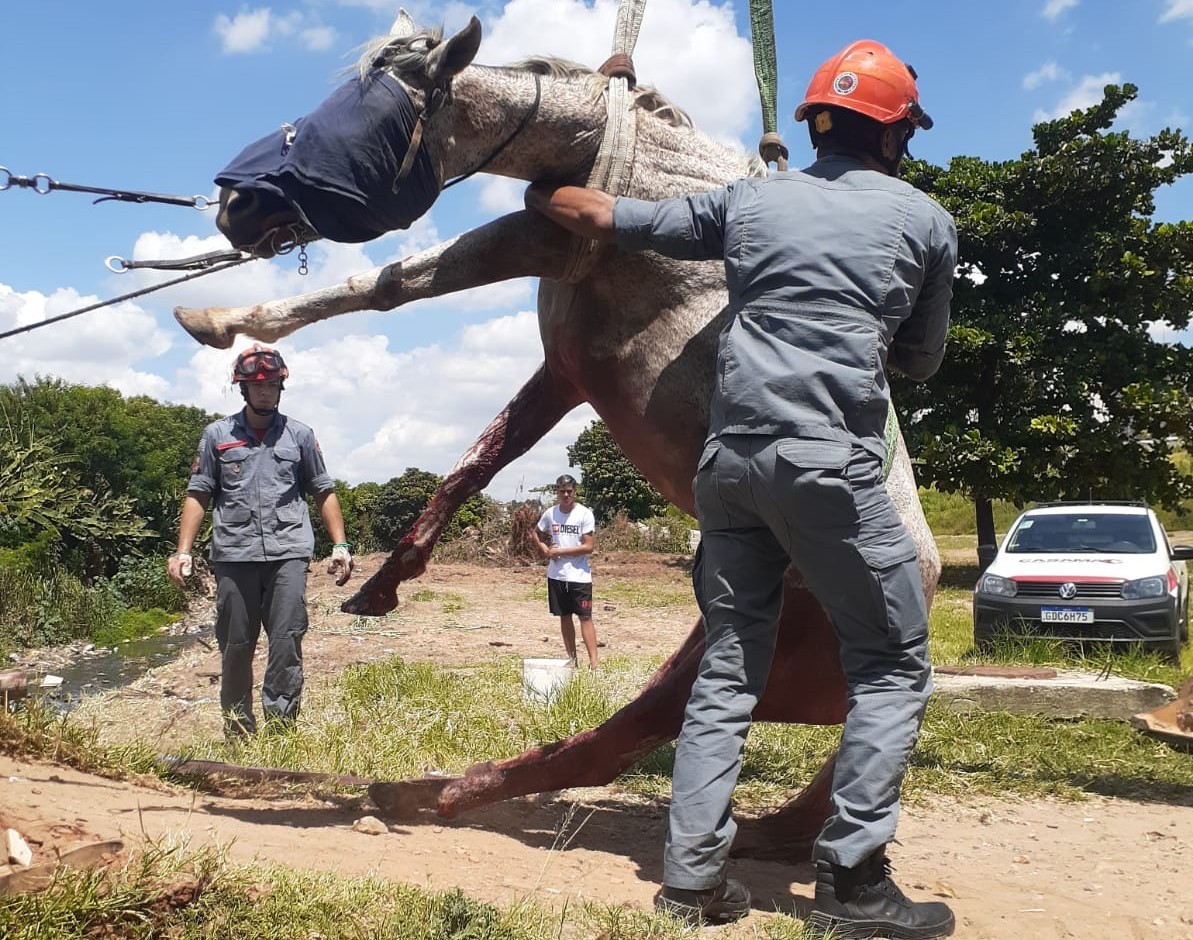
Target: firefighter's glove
[(179, 568), (341, 564)]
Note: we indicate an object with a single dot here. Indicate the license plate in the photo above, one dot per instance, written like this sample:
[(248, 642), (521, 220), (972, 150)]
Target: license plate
[(1066, 615)]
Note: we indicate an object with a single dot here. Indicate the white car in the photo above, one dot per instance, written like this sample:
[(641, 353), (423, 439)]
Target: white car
[(1086, 572)]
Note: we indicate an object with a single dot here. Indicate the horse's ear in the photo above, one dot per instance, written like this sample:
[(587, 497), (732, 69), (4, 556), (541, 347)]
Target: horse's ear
[(450, 58), (403, 25)]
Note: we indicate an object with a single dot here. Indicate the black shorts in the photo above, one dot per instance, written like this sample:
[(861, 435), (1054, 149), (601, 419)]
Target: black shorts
[(570, 597)]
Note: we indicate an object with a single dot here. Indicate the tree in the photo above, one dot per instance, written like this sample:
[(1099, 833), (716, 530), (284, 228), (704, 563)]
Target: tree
[(44, 507), (610, 482), (1055, 385), (132, 447)]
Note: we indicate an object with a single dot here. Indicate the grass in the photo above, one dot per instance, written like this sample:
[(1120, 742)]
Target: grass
[(392, 720), (172, 892), (450, 603), (631, 594)]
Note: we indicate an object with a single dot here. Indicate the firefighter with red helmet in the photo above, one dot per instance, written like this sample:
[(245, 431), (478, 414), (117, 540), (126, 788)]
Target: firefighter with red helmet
[(255, 468), (836, 274)]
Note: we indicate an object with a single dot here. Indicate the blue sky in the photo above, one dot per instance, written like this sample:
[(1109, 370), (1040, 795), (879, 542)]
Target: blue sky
[(159, 96)]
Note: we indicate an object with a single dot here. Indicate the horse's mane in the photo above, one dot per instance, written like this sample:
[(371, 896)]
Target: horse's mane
[(645, 97), (398, 54)]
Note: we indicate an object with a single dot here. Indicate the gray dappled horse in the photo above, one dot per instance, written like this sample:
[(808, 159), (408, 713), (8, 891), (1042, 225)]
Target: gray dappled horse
[(632, 334)]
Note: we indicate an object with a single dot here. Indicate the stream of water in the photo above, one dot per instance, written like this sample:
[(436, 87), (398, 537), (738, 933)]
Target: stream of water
[(88, 671)]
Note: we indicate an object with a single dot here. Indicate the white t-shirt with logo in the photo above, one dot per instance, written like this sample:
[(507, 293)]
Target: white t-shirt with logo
[(567, 530)]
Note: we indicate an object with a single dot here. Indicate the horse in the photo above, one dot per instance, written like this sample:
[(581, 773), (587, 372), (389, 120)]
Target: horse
[(634, 335)]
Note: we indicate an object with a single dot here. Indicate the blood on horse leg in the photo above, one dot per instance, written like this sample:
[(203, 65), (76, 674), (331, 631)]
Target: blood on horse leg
[(537, 408)]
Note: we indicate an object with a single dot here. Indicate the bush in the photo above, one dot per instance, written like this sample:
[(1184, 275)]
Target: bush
[(143, 584), (46, 611), (658, 534)]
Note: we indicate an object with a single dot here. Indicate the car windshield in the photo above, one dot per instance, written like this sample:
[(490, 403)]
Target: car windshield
[(1083, 532)]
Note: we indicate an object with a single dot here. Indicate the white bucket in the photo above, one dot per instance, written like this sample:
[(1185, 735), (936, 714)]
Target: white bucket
[(543, 678)]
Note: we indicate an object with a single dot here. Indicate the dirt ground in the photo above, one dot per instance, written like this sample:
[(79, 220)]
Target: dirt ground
[(1097, 870)]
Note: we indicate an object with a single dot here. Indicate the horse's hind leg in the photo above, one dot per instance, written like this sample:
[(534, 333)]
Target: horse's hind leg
[(805, 686), (591, 758), (531, 413)]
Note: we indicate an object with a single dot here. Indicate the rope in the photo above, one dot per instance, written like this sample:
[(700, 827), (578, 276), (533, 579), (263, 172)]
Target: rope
[(762, 32), (123, 297), (43, 184), (611, 170)]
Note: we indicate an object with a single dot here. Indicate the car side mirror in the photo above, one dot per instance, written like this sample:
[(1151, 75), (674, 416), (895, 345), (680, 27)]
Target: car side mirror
[(1182, 552)]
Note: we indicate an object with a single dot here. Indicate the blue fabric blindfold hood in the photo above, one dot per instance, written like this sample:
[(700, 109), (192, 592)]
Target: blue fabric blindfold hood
[(340, 169)]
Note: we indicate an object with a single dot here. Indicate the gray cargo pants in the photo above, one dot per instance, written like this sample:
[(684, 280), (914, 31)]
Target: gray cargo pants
[(763, 500), (249, 595)]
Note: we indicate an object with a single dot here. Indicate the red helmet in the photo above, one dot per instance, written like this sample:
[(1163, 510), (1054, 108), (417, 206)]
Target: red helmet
[(259, 364), (868, 78)]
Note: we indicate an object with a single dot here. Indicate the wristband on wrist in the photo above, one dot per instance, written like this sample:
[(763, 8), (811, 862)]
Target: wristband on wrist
[(180, 554), (347, 545)]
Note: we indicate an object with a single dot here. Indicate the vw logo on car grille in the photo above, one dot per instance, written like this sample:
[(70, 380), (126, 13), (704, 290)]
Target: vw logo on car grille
[(1068, 590)]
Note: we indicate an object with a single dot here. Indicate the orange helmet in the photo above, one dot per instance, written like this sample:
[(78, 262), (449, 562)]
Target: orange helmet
[(259, 364), (868, 78)]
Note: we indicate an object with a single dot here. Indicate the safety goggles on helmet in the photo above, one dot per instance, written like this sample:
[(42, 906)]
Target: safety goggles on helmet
[(259, 364), (868, 78)]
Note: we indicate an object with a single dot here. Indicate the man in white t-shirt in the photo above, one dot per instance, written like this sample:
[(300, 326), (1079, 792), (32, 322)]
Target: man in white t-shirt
[(566, 537)]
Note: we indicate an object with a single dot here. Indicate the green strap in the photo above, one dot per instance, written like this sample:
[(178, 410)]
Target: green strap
[(762, 31)]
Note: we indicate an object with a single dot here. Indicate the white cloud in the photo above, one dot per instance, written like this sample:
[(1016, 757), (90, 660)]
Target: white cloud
[(251, 31), (677, 41), (1177, 10), (377, 411), (319, 38), (1086, 94), (1054, 8), (98, 348), (500, 195), (245, 32), (1048, 72)]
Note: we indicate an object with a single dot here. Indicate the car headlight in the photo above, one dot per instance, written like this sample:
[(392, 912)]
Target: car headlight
[(993, 584), (1145, 587)]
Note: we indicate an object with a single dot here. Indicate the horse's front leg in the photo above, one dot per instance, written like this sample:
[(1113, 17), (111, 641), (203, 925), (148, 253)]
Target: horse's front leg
[(522, 244), (531, 413)]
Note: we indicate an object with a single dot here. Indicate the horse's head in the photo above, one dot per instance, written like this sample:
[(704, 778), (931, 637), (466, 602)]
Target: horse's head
[(354, 168)]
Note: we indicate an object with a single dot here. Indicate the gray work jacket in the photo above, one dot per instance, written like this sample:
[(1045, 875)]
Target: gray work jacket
[(257, 488), (835, 273)]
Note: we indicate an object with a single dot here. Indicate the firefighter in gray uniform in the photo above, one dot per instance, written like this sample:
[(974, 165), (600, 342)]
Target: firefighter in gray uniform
[(835, 274), (256, 467)]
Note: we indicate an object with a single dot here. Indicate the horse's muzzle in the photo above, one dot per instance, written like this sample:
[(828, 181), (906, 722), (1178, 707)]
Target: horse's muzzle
[(246, 216)]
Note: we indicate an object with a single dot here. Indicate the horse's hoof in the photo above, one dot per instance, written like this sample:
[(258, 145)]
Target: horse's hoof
[(366, 603), (404, 799), (201, 325)]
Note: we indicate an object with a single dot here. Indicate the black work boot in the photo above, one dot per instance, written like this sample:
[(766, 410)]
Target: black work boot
[(727, 902), (862, 902)]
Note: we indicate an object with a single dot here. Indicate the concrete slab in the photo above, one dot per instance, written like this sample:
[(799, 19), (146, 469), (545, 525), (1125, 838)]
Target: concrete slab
[(1066, 694)]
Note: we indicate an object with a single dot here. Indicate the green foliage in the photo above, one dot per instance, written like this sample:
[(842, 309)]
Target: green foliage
[(41, 496), (132, 625), (346, 497), (135, 448), (51, 609), (143, 584), (610, 482), (1053, 374)]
